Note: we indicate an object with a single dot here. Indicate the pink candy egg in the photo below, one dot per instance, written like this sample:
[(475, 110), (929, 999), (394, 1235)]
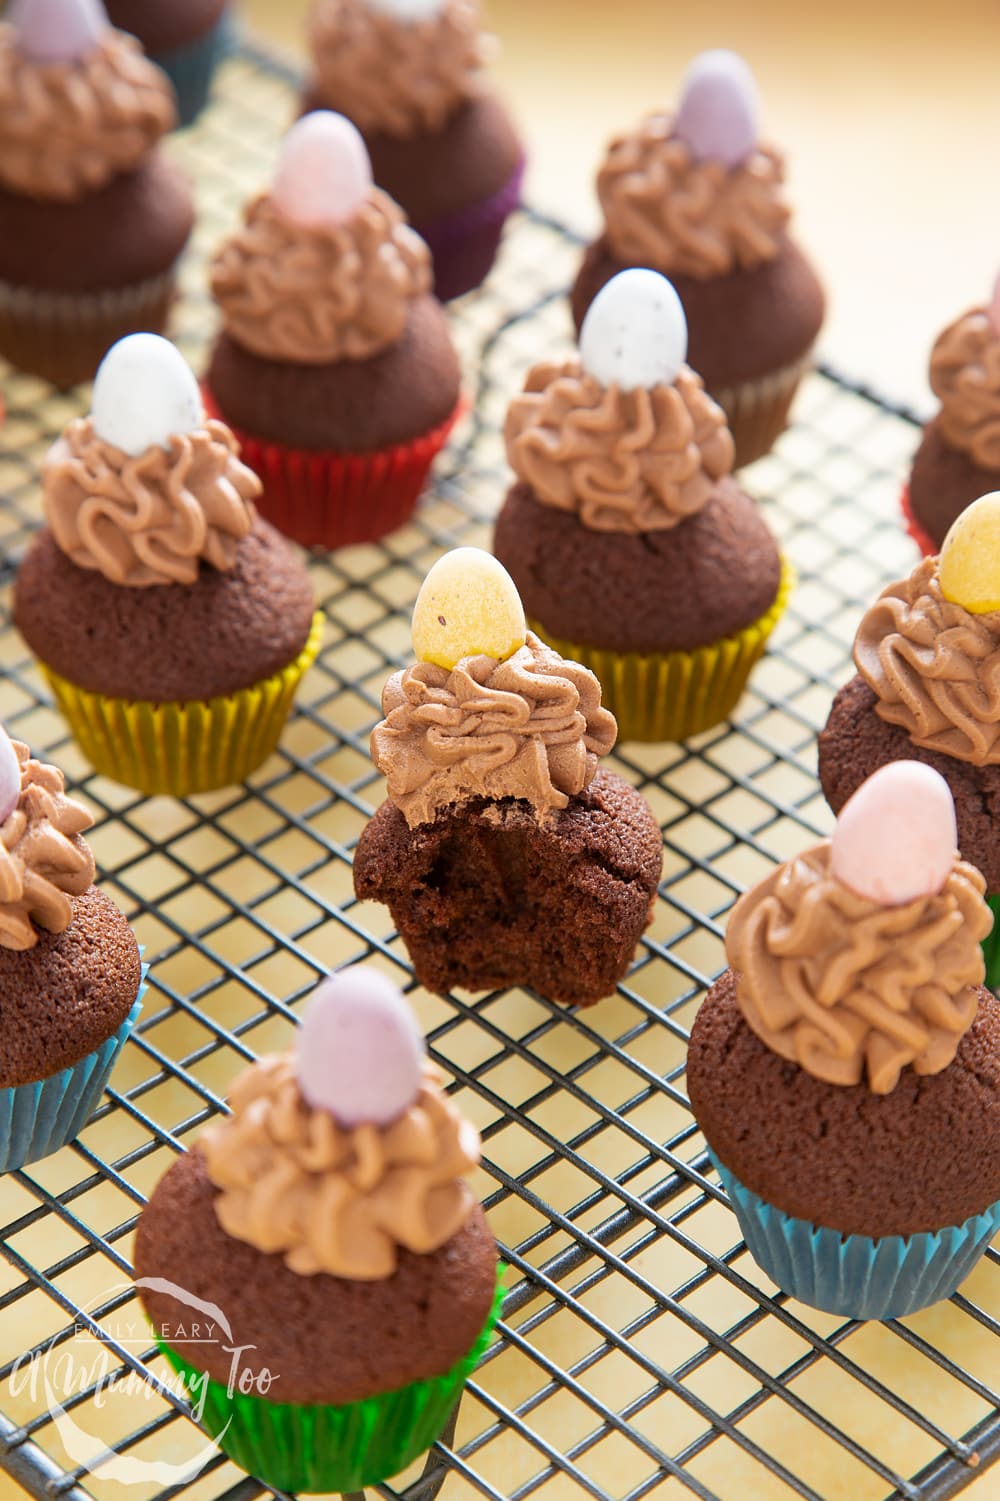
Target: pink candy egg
[(896, 838), (360, 1052), (10, 777), (324, 174), (57, 31), (719, 108)]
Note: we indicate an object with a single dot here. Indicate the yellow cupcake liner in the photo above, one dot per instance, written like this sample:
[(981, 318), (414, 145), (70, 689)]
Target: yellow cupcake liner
[(183, 748), (673, 695)]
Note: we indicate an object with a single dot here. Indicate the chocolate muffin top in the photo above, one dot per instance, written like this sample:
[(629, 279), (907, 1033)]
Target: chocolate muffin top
[(172, 642), (923, 1156), (712, 575), (65, 996), (326, 1339)]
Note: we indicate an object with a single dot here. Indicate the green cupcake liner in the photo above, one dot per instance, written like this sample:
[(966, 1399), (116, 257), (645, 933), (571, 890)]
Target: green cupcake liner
[(311, 1447), (991, 944)]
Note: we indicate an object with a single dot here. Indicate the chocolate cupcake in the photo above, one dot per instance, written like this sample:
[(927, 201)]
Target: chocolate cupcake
[(409, 73), (172, 624), (93, 218), (624, 493), (696, 196), (328, 1221), (845, 1070), (71, 982), (928, 660), (959, 455), (506, 855), (185, 38), (335, 366)]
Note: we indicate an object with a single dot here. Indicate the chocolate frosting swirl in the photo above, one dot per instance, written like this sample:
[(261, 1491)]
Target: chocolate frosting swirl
[(849, 989), (665, 210), (150, 519), (624, 461), (334, 1199), (314, 296), (934, 667), (66, 129), (531, 727), (965, 376), (395, 77), (43, 860)]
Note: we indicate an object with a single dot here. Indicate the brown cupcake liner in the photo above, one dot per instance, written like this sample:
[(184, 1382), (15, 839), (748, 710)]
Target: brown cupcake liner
[(757, 410), (63, 336)]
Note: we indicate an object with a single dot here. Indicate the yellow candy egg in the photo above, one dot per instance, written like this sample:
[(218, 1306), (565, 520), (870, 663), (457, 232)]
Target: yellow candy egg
[(467, 607), (969, 568)]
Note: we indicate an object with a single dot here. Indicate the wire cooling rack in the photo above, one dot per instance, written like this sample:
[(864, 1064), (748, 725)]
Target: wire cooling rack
[(641, 1353)]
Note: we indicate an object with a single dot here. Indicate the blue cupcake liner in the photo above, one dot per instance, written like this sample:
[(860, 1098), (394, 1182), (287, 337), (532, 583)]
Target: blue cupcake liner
[(857, 1276), (37, 1119), (192, 68)]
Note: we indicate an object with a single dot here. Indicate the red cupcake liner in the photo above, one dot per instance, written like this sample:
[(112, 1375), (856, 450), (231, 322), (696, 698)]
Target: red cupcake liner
[(923, 539), (326, 498)]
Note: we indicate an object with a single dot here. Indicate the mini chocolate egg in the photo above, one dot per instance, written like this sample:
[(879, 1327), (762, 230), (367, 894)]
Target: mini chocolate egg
[(408, 11), (324, 173), (359, 1051), (896, 838), (144, 395), (635, 332), (57, 31), (717, 118), (969, 566), (467, 607), (10, 777)]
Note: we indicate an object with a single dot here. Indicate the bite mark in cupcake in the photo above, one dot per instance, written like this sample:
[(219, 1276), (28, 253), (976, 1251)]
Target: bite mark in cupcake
[(501, 835)]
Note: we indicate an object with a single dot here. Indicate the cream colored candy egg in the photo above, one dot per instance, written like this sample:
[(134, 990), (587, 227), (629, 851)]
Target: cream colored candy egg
[(467, 607), (969, 568)]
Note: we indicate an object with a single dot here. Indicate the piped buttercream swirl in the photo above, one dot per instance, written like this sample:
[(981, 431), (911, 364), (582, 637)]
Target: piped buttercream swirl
[(531, 727), (852, 990), (934, 667), (665, 210), (396, 77), (314, 296), (624, 461), (66, 129), (153, 518), (44, 862), (333, 1199), (965, 376)]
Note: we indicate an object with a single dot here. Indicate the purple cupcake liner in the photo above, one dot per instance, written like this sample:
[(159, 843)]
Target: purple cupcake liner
[(465, 244), (857, 1276), (38, 1119)]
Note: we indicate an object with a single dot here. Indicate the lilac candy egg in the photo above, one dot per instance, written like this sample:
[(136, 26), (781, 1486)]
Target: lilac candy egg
[(718, 114), (360, 1053), (324, 173), (896, 838), (10, 777), (57, 31)]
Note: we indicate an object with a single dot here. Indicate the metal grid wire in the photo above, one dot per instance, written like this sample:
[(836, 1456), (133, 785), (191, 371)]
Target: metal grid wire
[(640, 1353)]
